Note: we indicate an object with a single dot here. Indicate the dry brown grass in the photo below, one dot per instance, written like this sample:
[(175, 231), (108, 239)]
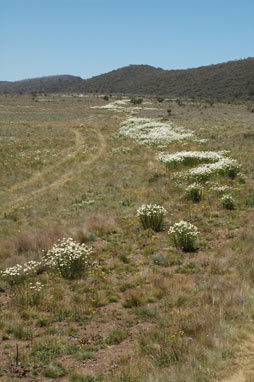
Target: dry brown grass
[(28, 245), (96, 224)]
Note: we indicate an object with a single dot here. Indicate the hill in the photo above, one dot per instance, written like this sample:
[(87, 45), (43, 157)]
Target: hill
[(230, 80), (234, 79), (49, 84)]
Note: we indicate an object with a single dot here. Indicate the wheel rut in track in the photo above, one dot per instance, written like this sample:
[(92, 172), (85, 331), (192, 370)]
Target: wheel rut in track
[(67, 176)]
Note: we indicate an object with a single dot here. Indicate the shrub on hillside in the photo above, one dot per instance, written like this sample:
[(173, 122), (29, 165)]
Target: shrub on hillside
[(68, 258), (184, 235), (194, 192), (151, 216), (228, 202)]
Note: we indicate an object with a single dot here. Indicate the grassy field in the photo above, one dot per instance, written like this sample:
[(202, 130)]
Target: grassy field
[(146, 310)]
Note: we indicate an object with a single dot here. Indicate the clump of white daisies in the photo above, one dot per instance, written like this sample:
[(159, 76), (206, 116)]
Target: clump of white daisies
[(184, 235), (211, 163), (194, 192), (118, 105), (148, 131), (219, 189), (19, 273), (67, 259), (188, 158), (225, 167), (151, 216), (228, 202)]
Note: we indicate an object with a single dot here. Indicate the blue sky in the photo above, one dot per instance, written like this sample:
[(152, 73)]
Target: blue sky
[(90, 37)]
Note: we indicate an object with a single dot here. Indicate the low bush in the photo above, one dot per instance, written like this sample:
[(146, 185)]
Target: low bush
[(194, 192), (184, 235), (228, 202), (151, 216), (249, 200), (116, 337), (68, 258)]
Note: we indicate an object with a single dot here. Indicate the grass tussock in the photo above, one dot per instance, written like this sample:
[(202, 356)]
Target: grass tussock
[(96, 226)]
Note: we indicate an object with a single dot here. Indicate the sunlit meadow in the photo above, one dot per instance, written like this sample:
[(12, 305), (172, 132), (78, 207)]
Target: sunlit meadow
[(126, 238)]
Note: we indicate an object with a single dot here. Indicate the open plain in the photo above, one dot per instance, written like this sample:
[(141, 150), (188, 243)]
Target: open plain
[(81, 166)]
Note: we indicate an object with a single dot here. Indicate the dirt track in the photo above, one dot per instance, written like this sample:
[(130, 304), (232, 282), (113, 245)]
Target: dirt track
[(67, 176)]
